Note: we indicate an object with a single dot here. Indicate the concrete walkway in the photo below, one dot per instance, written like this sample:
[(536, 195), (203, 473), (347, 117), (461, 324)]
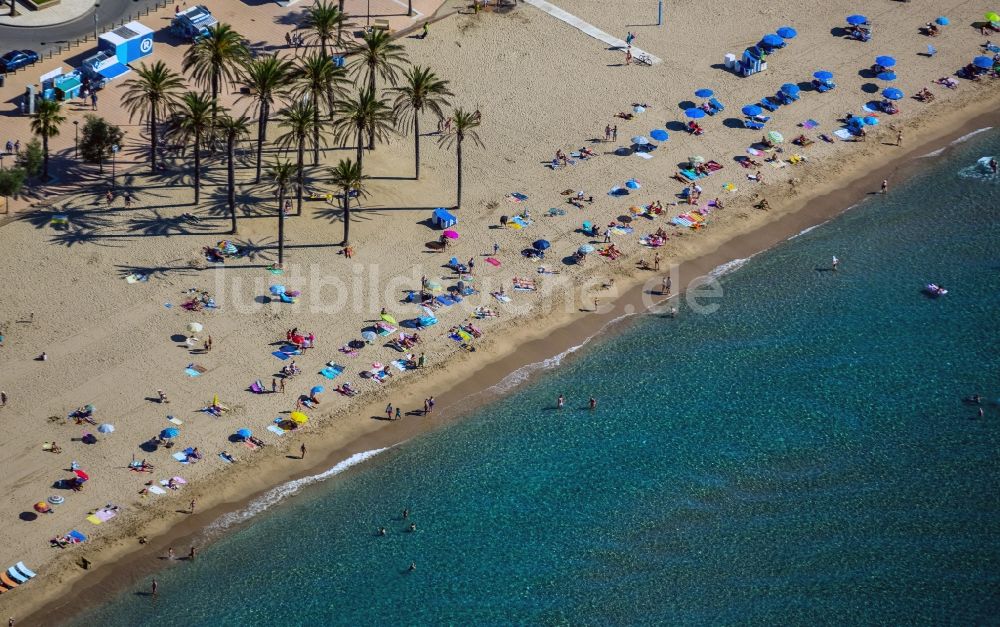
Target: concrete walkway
[(589, 29)]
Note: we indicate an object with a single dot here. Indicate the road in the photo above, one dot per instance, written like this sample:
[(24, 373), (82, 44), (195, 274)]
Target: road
[(45, 38)]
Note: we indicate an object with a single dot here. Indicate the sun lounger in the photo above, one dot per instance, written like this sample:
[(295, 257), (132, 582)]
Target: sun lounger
[(16, 576), (181, 457), (331, 372), (6, 580), (715, 104), (769, 104), (752, 125), (25, 570), (275, 429)]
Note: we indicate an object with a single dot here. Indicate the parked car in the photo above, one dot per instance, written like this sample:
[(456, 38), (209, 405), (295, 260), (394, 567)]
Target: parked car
[(16, 59)]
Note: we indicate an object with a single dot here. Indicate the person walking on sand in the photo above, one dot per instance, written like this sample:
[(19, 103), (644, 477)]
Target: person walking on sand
[(560, 402), (162, 396), (398, 415), (208, 344), (170, 554), (388, 411), (3, 399), (191, 506), (302, 451), (628, 56), (899, 137), (274, 385), (614, 133), (607, 133), (430, 404), (656, 262), (665, 286), (597, 303), (281, 382), (885, 186), (93, 101)]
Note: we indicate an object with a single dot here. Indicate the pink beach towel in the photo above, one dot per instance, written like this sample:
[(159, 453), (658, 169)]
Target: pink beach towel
[(493, 262)]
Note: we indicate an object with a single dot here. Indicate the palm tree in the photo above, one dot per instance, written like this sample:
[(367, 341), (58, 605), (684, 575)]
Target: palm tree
[(233, 129), (281, 175), (151, 95), (464, 125), (298, 119), (219, 55), (421, 90), (318, 80), (266, 79), (324, 21), (366, 114), (45, 123), (378, 55), (340, 27), (348, 177), (192, 119)]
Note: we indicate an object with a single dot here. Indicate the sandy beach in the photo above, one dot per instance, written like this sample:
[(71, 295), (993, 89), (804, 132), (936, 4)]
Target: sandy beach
[(541, 86)]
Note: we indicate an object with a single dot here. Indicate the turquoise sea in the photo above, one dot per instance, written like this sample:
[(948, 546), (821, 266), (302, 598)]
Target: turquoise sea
[(801, 456)]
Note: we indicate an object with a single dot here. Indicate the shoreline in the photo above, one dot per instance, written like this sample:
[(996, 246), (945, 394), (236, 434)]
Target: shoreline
[(120, 562)]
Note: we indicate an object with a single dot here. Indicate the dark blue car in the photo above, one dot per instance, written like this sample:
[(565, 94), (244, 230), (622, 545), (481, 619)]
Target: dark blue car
[(16, 59)]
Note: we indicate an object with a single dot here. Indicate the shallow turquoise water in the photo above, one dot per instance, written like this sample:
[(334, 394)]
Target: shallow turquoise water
[(800, 456)]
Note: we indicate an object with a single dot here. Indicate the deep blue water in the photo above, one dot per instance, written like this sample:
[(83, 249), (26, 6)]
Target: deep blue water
[(803, 455)]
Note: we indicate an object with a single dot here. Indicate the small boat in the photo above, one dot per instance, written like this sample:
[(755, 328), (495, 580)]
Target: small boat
[(935, 290)]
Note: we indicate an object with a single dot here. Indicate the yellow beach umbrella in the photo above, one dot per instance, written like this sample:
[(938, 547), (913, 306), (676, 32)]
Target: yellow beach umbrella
[(299, 418), (992, 17), (389, 319), (215, 401)]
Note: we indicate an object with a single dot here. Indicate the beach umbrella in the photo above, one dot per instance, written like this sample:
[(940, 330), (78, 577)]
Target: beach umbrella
[(983, 63), (42, 507), (542, 244), (885, 61), (695, 159), (89, 407), (194, 327), (586, 249), (169, 433), (388, 318), (299, 418), (317, 389), (449, 234), (752, 110), (368, 336), (704, 93), (787, 32), (772, 40), (775, 136), (695, 113), (992, 17), (106, 428), (790, 88), (244, 433), (823, 75), (870, 121), (632, 184), (893, 94), (640, 140), (427, 312), (942, 21), (659, 135), (82, 476), (277, 290), (638, 109), (886, 76), (55, 499), (857, 20)]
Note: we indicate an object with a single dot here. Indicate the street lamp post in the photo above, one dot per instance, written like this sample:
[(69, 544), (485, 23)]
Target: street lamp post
[(114, 152), (96, 7), (76, 139)]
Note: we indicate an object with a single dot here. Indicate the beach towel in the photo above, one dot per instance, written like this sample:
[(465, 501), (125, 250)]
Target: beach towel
[(181, 457), (75, 536), (225, 459), (275, 429), (493, 262), (257, 387), (713, 166), (643, 155), (810, 123), (93, 519), (516, 197), (520, 222), (250, 445), (175, 421), (155, 489), (136, 278), (842, 133), (191, 372), (400, 365), (331, 372), (104, 515), (281, 355), (447, 301)]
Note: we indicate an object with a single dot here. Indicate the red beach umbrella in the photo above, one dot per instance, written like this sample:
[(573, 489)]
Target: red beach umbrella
[(82, 475)]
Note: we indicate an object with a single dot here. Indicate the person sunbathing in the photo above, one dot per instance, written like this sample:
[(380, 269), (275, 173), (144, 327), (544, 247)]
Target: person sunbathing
[(701, 168), (576, 203), (693, 127), (226, 456), (624, 116), (253, 440)]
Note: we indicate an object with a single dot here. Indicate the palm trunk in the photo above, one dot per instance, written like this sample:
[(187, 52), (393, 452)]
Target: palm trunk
[(197, 168), (45, 156), (231, 179), (409, 8), (261, 131), (347, 217), (361, 145), (215, 93), (316, 131), (152, 139), (340, 25), (322, 46), (281, 225), (416, 145), (458, 149), (301, 166)]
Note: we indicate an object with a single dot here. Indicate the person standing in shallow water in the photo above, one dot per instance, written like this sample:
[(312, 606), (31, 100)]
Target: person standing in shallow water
[(593, 403), (560, 402)]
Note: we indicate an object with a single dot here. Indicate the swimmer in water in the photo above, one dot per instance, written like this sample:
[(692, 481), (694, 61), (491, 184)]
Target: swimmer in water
[(381, 531), (413, 527), (413, 567), (993, 166)]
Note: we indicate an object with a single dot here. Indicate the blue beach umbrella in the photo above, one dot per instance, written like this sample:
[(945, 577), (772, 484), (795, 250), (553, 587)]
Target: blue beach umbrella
[(695, 113), (885, 61), (787, 32), (857, 20), (983, 63), (244, 433), (772, 40), (790, 88), (823, 75), (870, 121), (277, 290), (659, 135), (704, 93), (893, 94), (586, 249), (317, 389), (632, 184), (542, 244), (752, 110), (942, 21), (169, 433), (886, 76)]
